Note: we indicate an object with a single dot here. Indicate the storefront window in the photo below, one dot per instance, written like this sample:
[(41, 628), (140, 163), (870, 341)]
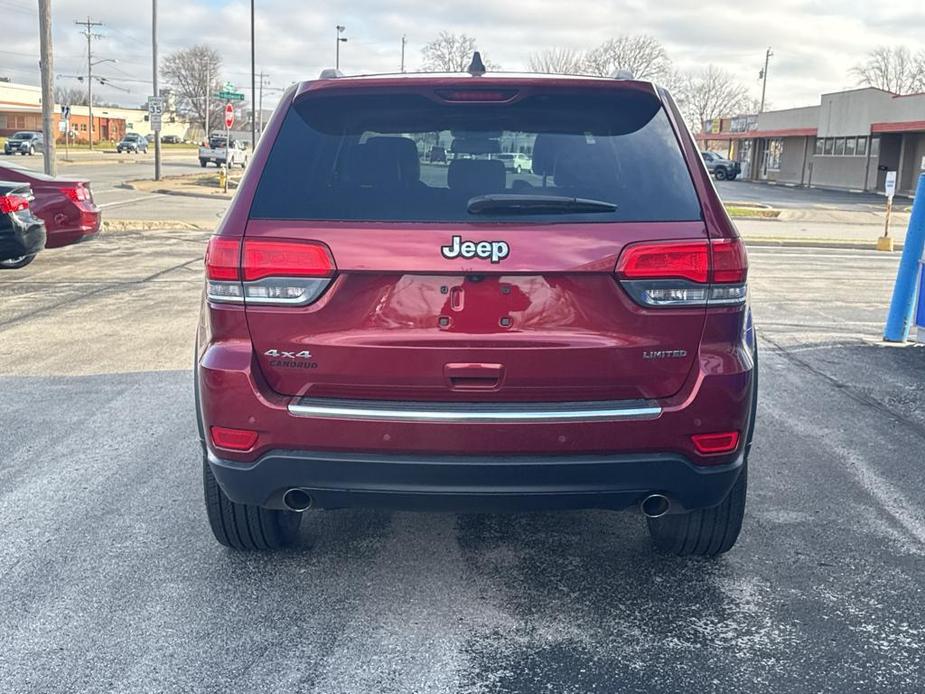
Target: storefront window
[(875, 146), (862, 146), (849, 146), (839, 145), (775, 149), (829, 144), (819, 145)]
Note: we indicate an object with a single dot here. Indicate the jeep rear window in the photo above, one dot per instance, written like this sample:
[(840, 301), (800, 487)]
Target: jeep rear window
[(368, 157)]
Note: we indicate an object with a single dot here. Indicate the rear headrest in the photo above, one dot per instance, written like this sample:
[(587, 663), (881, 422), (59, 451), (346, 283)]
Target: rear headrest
[(476, 176), (547, 148), (587, 166), (385, 162)]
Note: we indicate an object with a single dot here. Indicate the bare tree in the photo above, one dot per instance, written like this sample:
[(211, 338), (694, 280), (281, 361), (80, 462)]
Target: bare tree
[(451, 53), (72, 96), (193, 73), (894, 69), (558, 61), (710, 93), (641, 55)]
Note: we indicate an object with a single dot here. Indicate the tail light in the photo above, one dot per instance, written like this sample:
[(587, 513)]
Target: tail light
[(13, 203), (685, 273), (77, 193), (267, 271)]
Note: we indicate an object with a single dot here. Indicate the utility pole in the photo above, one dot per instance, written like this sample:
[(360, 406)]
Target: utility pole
[(157, 131), (88, 32), (253, 86), (340, 30), (404, 41), (48, 86), (764, 77)]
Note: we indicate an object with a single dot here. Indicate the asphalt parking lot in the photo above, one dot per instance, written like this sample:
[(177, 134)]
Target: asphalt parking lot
[(111, 581), (784, 197)]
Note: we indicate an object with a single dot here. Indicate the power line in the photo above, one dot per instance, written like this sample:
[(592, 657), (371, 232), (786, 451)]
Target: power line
[(6, 5)]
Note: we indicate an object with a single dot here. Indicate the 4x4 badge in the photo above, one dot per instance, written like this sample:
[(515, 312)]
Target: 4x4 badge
[(495, 251), (304, 354)]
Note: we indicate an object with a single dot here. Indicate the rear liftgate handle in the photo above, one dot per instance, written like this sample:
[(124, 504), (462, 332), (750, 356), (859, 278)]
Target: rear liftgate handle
[(474, 376)]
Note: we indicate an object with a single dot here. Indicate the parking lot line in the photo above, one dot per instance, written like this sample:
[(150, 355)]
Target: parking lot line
[(118, 203)]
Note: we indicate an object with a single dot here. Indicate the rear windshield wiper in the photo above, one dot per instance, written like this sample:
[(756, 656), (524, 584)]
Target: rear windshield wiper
[(507, 203)]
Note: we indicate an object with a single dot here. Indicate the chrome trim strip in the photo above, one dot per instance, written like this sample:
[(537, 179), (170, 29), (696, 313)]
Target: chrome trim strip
[(443, 412)]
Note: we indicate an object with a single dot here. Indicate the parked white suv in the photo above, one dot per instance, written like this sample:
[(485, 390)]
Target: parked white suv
[(517, 162)]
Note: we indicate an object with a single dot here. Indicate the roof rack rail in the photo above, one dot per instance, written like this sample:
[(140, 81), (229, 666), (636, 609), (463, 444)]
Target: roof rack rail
[(330, 73)]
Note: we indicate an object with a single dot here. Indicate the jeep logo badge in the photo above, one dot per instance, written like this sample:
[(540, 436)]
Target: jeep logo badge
[(495, 251)]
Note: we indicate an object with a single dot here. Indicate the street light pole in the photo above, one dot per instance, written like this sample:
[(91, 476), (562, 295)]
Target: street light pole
[(157, 131), (340, 30), (208, 91), (404, 41), (764, 78)]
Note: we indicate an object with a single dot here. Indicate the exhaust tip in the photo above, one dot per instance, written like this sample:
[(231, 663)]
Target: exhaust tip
[(655, 505), (297, 500)]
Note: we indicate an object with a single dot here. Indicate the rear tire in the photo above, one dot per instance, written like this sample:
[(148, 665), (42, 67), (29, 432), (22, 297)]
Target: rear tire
[(710, 531), (706, 532), (721, 174), (202, 163), (16, 263), (245, 527)]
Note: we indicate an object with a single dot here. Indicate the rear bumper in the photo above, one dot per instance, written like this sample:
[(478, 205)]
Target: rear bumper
[(82, 225), (18, 238), (470, 483), (429, 455)]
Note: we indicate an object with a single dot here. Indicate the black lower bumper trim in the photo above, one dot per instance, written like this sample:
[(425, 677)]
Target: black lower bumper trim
[(468, 483)]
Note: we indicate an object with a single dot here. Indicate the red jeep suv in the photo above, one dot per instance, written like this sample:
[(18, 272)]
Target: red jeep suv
[(382, 329)]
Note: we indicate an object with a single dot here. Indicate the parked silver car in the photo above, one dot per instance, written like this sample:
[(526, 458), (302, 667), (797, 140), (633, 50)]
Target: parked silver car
[(24, 143)]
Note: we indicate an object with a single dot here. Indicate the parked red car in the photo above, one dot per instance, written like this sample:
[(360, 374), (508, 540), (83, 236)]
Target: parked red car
[(64, 204), (381, 330)]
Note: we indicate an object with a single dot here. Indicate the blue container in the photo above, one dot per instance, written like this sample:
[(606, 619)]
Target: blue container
[(902, 305), (920, 308)]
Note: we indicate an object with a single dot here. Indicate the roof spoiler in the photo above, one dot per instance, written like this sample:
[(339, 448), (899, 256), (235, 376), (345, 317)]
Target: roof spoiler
[(330, 73)]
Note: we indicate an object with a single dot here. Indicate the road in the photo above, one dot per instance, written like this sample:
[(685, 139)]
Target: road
[(786, 197), (111, 581), (120, 203)]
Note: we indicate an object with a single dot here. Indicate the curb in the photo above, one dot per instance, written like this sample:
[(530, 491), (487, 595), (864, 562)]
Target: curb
[(185, 194), (111, 159), (770, 242), (130, 185), (120, 225)]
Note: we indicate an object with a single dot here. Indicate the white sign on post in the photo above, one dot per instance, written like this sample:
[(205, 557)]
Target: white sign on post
[(889, 185), (155, 111)]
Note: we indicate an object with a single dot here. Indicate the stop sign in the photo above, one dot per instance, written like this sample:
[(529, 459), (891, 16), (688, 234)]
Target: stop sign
[(229, 115)]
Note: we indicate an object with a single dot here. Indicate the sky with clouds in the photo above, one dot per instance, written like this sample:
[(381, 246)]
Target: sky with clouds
[(815, 42)]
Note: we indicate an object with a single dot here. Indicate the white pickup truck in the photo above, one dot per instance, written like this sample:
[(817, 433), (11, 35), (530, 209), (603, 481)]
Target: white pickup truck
[(218, 151)]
